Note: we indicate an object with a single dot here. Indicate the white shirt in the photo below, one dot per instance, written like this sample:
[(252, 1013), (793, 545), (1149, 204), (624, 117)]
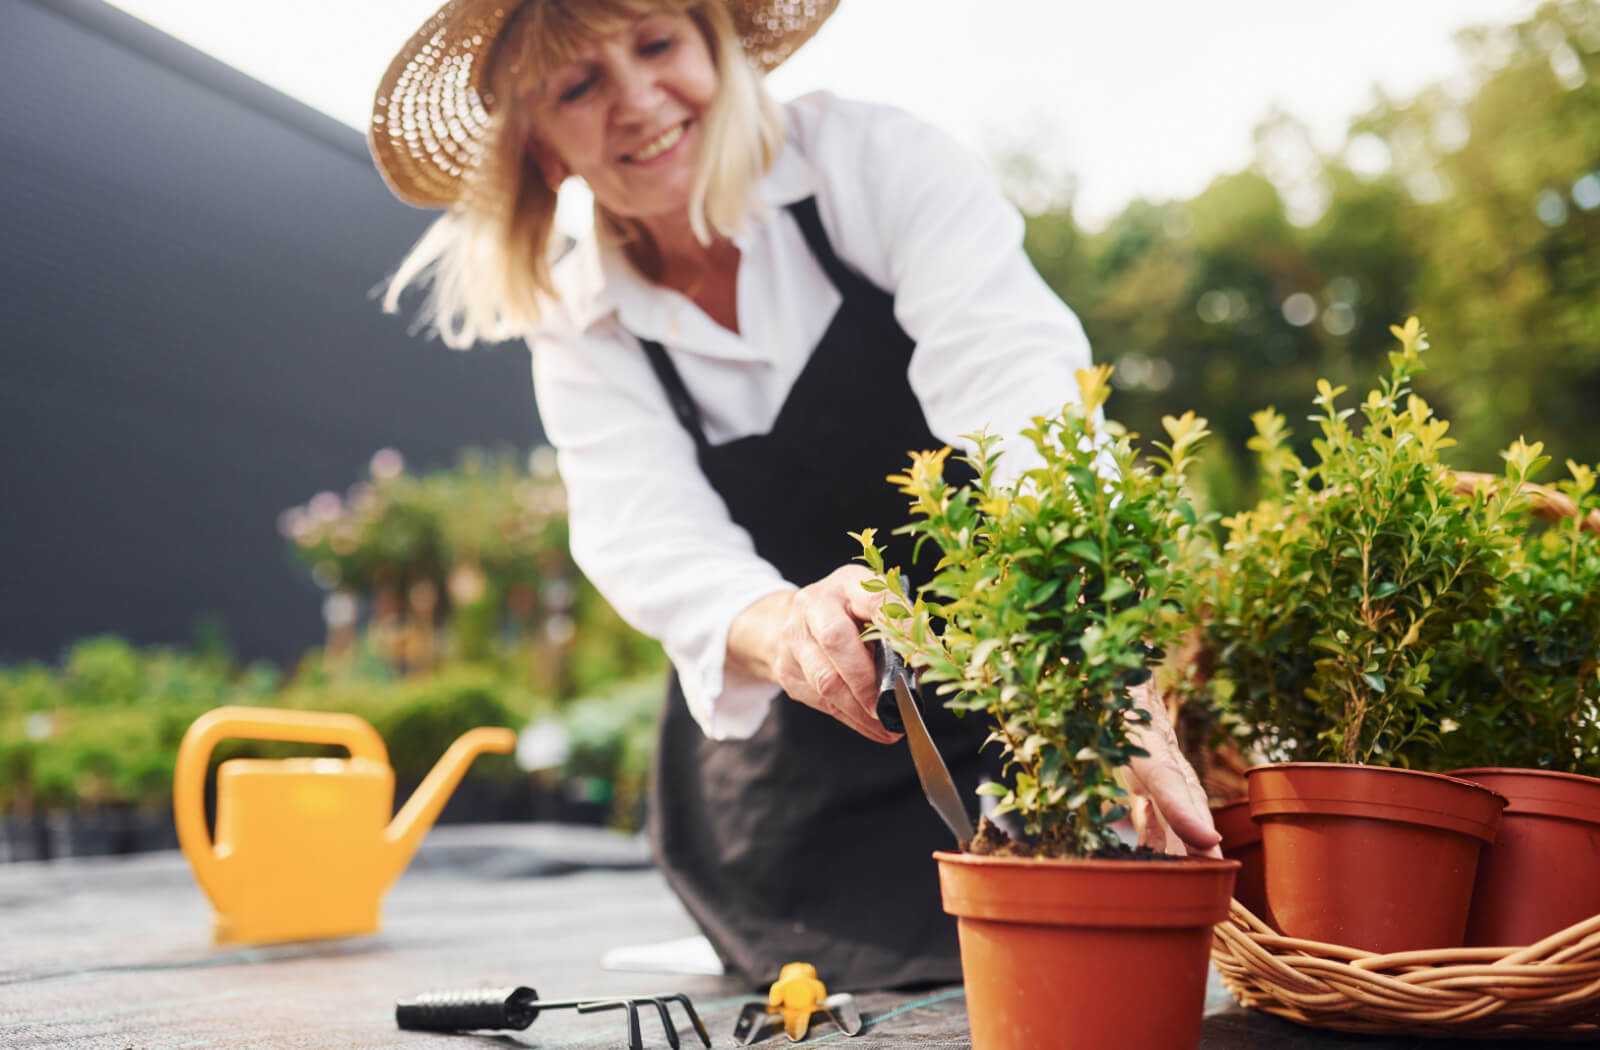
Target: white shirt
[(906, 207)]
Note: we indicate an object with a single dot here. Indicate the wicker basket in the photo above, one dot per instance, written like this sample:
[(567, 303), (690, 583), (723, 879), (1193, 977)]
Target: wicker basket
[(1548, 990)]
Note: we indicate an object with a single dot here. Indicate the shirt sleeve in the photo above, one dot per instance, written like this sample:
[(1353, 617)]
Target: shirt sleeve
[(923, 218), (647, 528)]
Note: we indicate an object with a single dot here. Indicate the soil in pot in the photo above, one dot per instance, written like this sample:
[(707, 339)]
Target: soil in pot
[(1084, 954), (1367, 857), (1543, 872), (1241, 841)]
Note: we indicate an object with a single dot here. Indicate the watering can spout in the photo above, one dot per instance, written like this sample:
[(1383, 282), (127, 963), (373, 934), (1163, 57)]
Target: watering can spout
[(405, 833)]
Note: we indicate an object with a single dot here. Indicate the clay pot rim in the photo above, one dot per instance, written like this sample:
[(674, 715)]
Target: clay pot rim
[(1398, 770), (1393, 770), (1177, 865), (1522, 771), (1566, 796), (1423, 805)]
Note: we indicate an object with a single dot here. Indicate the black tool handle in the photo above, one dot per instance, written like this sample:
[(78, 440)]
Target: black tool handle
[(468, 1010), (889, 666)]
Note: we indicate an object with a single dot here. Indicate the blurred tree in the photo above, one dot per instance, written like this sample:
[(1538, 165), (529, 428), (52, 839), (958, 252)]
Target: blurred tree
[(1481, 214), (1507, 185)]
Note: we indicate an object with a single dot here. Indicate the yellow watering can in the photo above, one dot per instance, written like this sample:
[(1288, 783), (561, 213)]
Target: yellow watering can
[(304, 846)]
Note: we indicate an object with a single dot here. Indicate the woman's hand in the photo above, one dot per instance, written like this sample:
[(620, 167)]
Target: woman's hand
[(1168, 804), (809, 643)]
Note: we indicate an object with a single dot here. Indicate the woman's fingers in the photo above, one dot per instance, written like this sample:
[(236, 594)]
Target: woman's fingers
[(844, 656), (1165, 777), (823, 662), (860, 603), (1147, 822)]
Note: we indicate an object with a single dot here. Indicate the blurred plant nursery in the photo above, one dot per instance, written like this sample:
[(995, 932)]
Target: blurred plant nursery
[(451, 602)]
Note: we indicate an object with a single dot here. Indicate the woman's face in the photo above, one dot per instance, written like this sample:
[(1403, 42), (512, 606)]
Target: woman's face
[(626, 115)]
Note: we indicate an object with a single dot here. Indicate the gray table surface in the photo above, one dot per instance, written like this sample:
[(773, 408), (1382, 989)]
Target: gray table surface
[(116, 953)]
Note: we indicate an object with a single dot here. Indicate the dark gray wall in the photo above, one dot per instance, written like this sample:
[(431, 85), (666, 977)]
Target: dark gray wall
[(187, 339)]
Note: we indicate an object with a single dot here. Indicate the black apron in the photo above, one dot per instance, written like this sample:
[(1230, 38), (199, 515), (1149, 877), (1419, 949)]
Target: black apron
[(809, 842)]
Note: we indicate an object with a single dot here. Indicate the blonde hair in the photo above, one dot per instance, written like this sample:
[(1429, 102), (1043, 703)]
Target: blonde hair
[(486, 263)]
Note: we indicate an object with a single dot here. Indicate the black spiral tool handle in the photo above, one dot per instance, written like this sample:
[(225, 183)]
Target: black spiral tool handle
[(467, 1010)]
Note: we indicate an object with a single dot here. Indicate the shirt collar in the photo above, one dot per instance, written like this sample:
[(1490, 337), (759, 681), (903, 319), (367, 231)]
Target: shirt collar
[(790, 179), (583, 285)]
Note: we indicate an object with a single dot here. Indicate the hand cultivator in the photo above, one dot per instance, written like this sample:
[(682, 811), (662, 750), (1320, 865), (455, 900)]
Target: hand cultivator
[(515, 1008)]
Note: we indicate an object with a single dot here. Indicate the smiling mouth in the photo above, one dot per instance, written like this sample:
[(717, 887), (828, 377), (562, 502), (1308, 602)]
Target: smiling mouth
[(659, 145)]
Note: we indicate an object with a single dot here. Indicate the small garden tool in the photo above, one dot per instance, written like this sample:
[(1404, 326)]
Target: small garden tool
[(305, 847), (795, 996), (477, 1009)]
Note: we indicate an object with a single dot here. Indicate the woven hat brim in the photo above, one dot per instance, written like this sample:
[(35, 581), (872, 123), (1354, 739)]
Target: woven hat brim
[(430, 117)]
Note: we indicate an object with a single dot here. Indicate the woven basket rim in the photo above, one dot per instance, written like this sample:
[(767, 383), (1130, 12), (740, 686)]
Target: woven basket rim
[(1548, 990)]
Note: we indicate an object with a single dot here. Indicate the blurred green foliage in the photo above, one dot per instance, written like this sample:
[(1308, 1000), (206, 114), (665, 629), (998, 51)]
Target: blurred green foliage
[(66, 744), (103, 727), (1477, 208), (453, 603)]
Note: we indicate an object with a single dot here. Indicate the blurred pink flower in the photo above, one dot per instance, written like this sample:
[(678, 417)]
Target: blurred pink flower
[(326, 506), (387, 463)]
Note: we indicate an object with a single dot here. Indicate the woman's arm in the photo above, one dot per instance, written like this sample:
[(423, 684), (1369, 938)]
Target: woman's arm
[(647, 528), (656, 539)]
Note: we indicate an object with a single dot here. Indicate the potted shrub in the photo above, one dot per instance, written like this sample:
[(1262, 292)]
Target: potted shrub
[(1331, 599), (1041, 618), (1523, 684)]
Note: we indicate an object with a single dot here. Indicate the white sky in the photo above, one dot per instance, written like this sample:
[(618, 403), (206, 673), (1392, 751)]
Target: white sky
[(1139, 98)]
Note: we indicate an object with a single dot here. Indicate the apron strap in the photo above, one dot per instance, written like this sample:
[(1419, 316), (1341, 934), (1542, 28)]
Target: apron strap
[(847, 281), (683, 405)]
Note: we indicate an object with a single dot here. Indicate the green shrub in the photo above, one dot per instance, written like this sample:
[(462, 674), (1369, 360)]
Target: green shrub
[(1334, 597), (29, 687), (103, 670), (1046, 601), (430, 714), (1521, 685)]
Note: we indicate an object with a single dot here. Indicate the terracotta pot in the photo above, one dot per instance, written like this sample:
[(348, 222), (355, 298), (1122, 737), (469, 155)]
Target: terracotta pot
[(1241, 841), (1543, 872), (1084, 954), (1371, 858)]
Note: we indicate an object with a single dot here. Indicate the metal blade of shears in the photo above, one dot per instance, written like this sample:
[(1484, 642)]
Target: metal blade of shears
[(931, 770)]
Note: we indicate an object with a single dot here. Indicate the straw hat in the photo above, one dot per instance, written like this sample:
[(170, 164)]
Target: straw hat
[(431, 110)]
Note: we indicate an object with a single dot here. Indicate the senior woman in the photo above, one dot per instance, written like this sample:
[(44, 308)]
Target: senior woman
[(776, 304)]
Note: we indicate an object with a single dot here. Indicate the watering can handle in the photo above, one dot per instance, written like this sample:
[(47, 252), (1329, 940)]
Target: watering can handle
[(257, 723)]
